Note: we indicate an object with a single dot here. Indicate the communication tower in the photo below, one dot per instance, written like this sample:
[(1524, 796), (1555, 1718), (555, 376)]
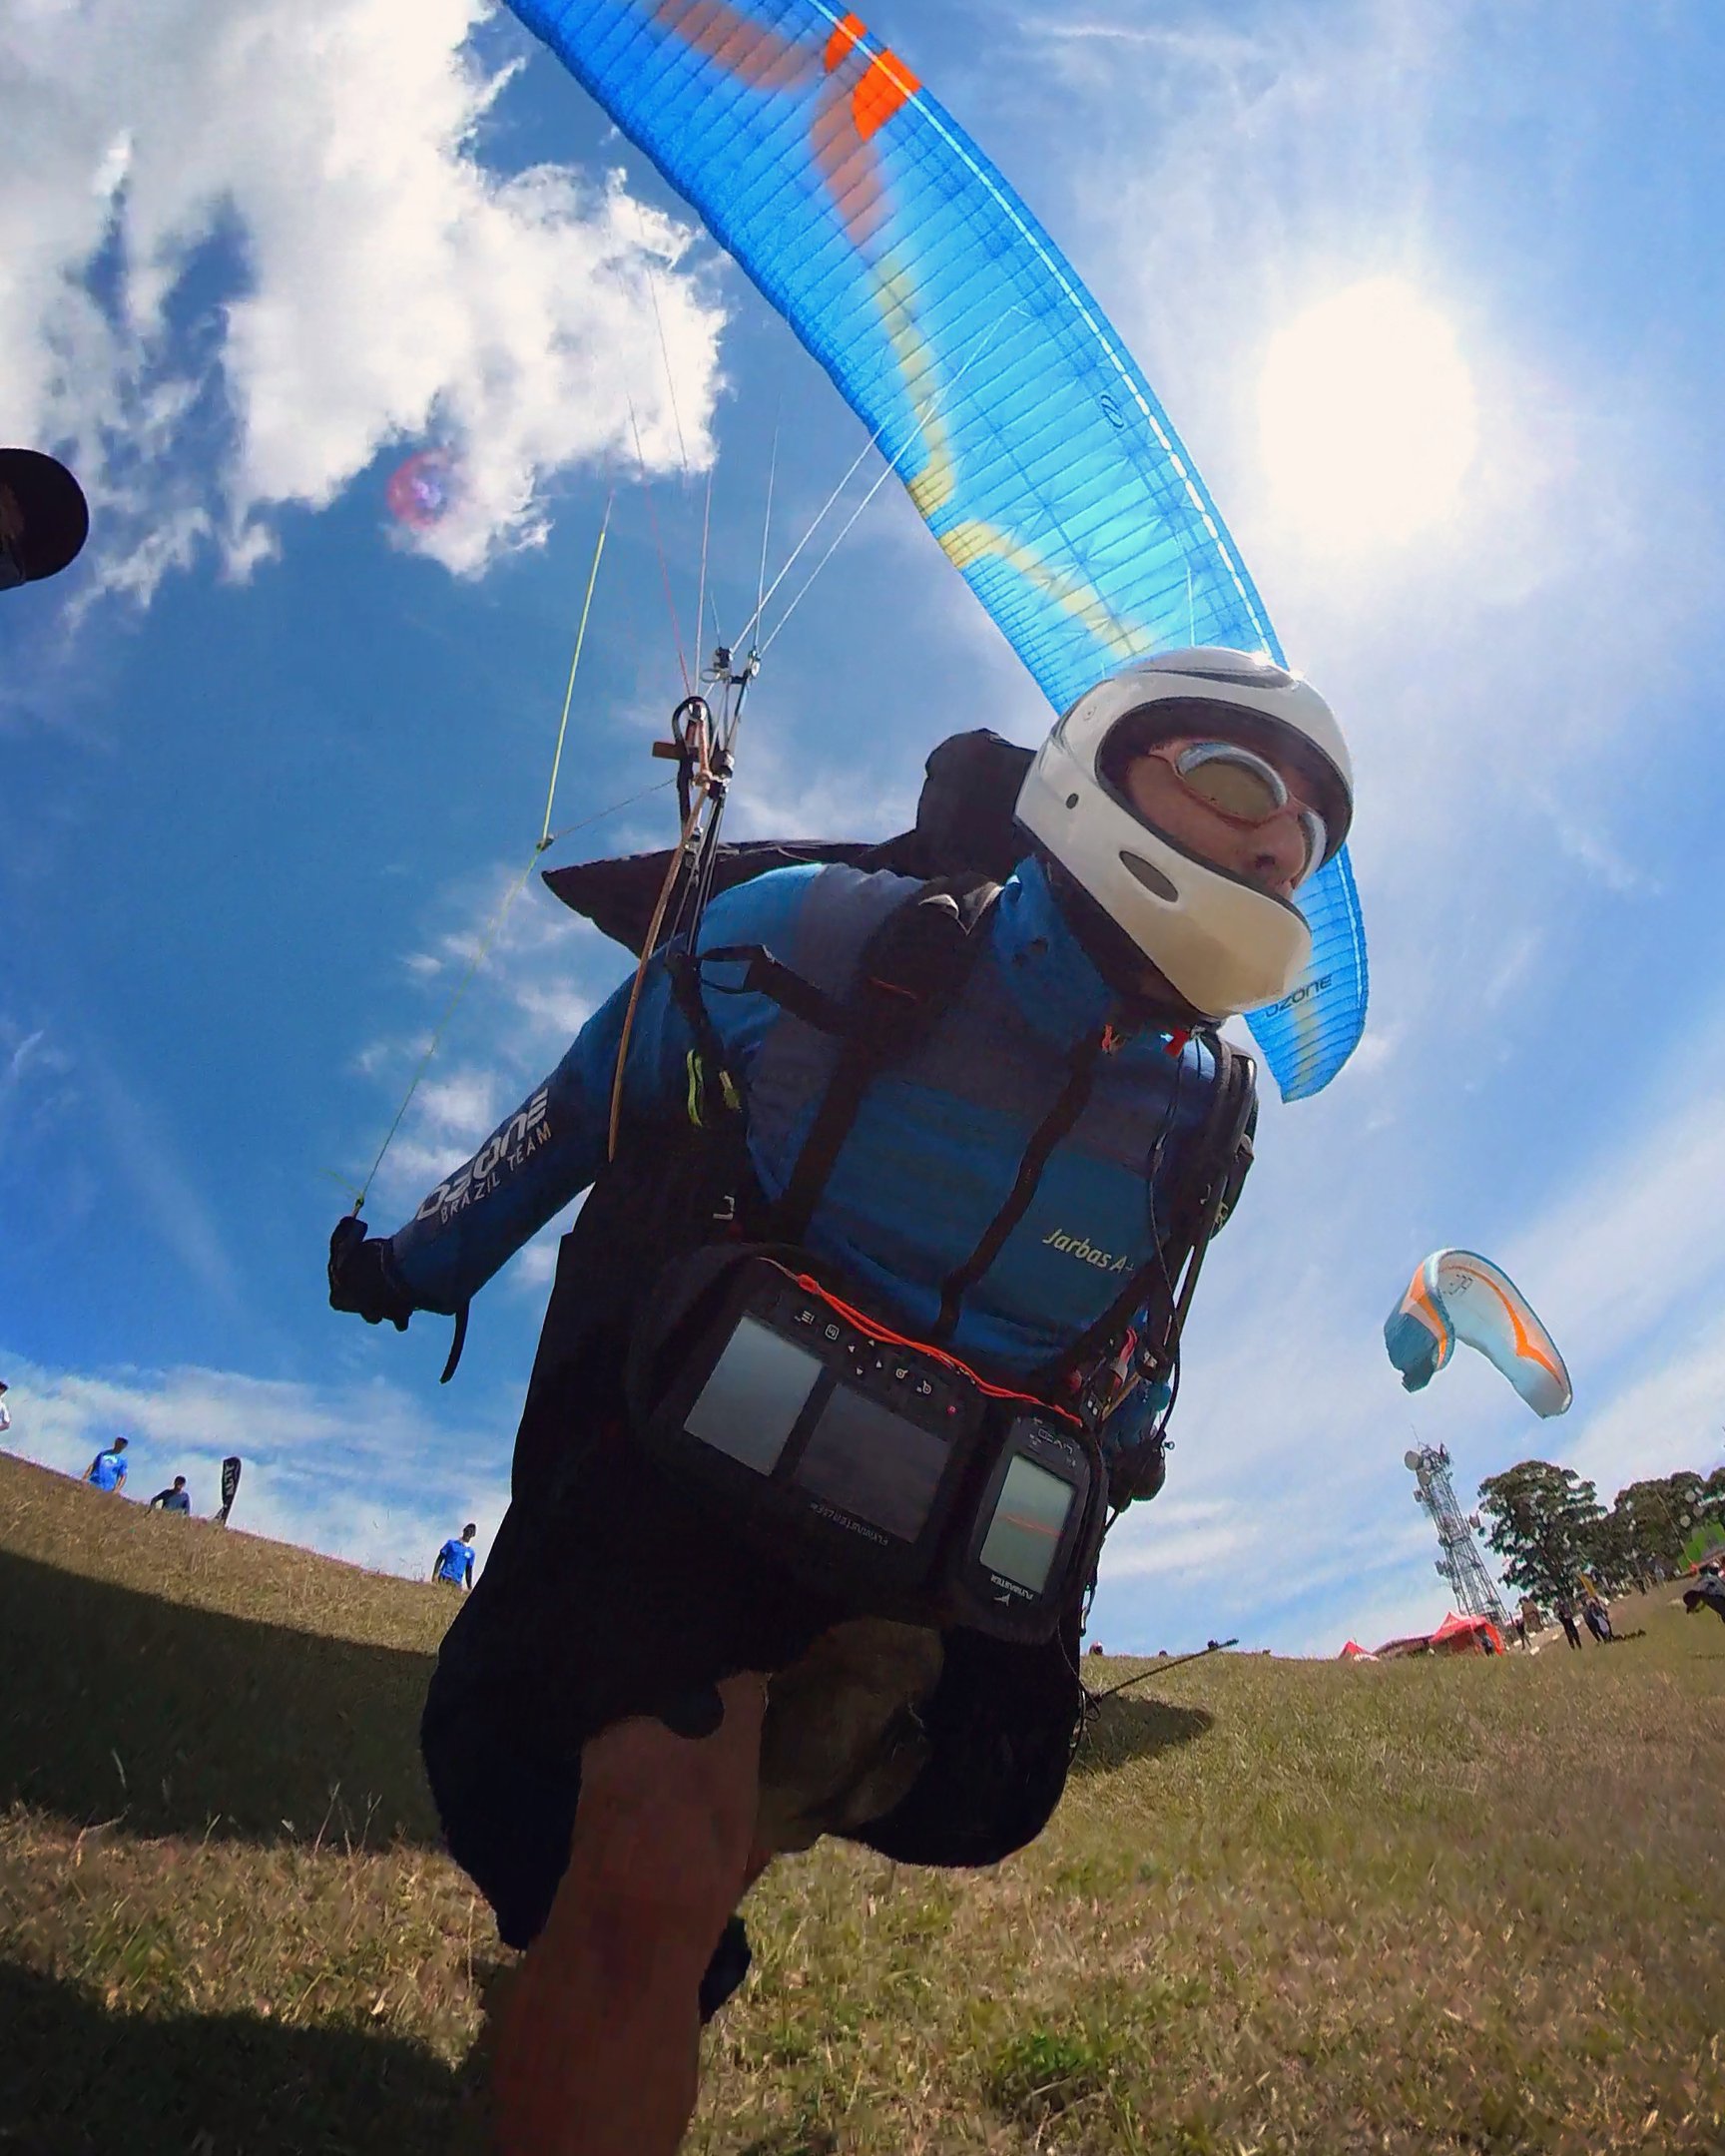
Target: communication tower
[(1460, 1564)]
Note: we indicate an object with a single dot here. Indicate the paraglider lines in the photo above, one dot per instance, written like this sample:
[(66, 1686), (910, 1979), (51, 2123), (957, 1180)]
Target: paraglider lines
[(574, 669), (927, 413), (658, 549), (547, 837)]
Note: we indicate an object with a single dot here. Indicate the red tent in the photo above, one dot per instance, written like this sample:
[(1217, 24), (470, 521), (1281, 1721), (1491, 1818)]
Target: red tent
[(1456, 1635), (1466, 1635)]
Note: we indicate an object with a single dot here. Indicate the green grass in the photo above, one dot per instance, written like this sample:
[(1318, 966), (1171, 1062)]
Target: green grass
[(1469, 1906)]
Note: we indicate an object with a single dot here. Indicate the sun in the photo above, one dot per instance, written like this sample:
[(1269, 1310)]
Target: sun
[(1367, 415)]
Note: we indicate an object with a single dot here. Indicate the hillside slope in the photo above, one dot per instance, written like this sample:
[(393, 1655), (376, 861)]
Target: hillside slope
[(1284, 1906)]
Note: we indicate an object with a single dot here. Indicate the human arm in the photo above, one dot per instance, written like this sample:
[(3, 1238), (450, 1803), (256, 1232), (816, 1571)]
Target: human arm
[(535, 1161), (557, 1141)]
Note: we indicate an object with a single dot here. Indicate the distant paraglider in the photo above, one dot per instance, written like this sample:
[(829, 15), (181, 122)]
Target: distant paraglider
[(1458, 1296), (421, 490)]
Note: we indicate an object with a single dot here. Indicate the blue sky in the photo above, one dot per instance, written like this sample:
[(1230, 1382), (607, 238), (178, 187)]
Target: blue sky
[(266, 766)]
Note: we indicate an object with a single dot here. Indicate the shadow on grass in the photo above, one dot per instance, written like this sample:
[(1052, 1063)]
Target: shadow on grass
[(1122, 1729), (122, 1705), (74, 2078)]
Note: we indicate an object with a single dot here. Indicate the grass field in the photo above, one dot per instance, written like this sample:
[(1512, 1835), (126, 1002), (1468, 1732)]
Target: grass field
[(1466, 1905)]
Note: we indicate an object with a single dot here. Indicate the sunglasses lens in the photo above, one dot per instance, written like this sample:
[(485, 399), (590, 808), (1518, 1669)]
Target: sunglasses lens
[(1233, 780)]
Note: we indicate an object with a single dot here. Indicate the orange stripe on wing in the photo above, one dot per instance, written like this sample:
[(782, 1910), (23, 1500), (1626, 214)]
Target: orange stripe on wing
[(887, 87), (851, 31), (1526, 1348), (885, 83)]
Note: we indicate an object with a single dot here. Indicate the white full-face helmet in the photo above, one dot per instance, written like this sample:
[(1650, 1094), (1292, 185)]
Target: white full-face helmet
[(1223, 944)]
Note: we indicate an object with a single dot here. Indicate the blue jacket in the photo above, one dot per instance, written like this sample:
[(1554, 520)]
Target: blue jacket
[(938, 1146)]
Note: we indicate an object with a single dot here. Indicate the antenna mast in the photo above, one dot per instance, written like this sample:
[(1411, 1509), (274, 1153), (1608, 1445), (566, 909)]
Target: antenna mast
[(1460, 1564)]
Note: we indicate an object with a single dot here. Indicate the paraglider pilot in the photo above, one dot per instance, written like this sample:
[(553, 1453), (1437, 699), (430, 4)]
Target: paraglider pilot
[(807, 1490)]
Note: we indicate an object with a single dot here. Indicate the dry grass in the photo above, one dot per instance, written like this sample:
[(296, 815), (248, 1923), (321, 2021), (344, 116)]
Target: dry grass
[(1465, 1907)]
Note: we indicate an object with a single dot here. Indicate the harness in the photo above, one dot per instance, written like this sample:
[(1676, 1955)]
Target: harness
[(912, 971), (858, 1458)]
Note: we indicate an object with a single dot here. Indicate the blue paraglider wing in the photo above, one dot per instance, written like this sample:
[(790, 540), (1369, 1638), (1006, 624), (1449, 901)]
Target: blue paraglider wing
[(1457, 1295), (1028, 438)]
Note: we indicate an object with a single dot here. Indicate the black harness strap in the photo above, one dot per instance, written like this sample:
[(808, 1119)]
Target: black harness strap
[(1073, 1099), (1212, 1182), (763, 974), (707, 1067), (911, 971)]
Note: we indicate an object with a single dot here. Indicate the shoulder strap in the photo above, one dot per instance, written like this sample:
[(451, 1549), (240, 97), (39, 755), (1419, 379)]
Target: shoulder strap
[(1212, 1186), (707, 1059), (910, 970)]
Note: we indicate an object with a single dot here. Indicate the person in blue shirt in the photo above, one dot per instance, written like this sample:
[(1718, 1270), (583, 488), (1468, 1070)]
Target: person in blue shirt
[(107, 1472), (454, 1562), (173, 1499), (1023, 1184)]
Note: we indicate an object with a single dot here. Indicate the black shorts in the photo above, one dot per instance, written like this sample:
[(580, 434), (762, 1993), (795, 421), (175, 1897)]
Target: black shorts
[(607, 1595)]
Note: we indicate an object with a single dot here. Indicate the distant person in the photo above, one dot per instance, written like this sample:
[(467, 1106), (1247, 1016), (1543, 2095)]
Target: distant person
[(455, 1559), (1598, 1618), (107, 1472), (44, 518), (1566, 1618), (172, 1500)]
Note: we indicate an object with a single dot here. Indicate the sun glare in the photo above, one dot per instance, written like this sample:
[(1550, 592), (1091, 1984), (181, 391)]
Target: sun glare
[(1367, 417)]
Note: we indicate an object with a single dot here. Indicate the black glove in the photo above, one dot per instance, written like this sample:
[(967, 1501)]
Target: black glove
[(362, 1278)]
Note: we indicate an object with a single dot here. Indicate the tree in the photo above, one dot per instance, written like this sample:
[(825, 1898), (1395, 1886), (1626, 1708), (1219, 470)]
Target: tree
[(1663, 1512), (1614, 1556), (1541, 1523)]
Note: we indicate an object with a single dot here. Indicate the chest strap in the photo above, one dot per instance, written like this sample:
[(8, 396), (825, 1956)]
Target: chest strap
[(909, 972), (1209, 1189)]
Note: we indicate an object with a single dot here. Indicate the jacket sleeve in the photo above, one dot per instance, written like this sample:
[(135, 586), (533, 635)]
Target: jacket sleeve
[(544, 1153), (555, 1143)]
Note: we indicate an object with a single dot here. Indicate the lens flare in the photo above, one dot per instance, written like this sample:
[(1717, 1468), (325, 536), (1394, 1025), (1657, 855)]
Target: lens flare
[(421, 490)]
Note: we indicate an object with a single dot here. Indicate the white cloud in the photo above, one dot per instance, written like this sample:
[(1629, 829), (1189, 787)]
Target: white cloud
[(32, 1068), (1181, 1538), (252, 245), (1638, 1240), (512, 1024), (1672, 1416)]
